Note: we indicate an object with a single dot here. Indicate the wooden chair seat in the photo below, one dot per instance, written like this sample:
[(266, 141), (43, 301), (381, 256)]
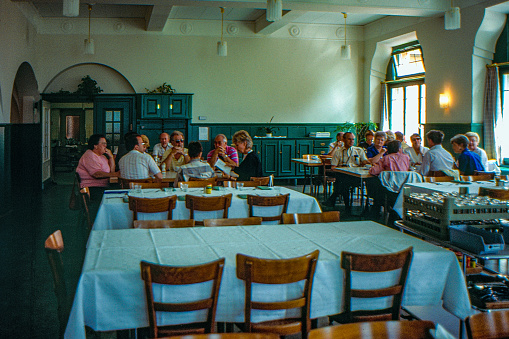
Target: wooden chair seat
[(233, 221), (182, 275), (125, 183), (195, 203), (438, 179), (156, 205), (373, 263), (278, 271), (149, 184), (309, 218), (479, 177), (501, 193), (85, 206), (262, 201), (488, 325), (417, 329), (149, 224)]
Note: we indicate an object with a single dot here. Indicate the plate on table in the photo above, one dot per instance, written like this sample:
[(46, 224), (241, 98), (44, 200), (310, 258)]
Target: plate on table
[(242, 196), (264, 187)]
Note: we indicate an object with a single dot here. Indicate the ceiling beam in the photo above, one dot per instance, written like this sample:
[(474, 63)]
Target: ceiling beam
[(264, 27), (157, 17)]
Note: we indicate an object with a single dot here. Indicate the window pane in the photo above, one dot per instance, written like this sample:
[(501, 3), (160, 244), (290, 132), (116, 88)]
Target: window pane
[(411, 109), (109, 128), (116, 115), (116, 128), (397, 106), (423, 104), (409, 63), (108, 115)]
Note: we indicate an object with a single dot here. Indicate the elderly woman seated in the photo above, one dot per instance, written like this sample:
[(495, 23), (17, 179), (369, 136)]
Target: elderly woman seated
[(96, 166), (468, 162)]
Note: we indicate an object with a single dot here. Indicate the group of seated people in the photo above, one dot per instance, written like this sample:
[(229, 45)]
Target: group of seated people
[(388, 151), (98, 163)]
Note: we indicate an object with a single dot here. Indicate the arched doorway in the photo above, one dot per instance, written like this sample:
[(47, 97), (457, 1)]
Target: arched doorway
[(25, 93)]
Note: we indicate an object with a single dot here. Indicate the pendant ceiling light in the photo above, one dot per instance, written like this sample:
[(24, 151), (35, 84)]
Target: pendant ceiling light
[(346, 50), (89, 43), (222, 47), (452, 18), (71, 8), (274, 10)]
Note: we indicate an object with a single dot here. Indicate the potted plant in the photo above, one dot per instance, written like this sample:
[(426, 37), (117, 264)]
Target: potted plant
[(358, 128), (269, 130)]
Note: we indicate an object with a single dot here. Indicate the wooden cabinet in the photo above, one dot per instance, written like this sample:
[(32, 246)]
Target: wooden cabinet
[(166, 106)]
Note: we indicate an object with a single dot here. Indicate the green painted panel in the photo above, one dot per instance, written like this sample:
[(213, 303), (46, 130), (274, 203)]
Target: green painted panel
[(286, 153), (269, 157)]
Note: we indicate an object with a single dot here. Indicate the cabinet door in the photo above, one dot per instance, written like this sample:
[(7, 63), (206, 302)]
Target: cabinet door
[(152, 107), (270, 157), (286, 153), (303, 147), (177, 107)]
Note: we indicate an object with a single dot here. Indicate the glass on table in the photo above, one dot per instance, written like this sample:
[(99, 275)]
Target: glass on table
[(240, 186), (183, 187)]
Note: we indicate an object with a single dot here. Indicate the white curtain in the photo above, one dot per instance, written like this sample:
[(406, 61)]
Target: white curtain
[(492, 114), (384, 108)]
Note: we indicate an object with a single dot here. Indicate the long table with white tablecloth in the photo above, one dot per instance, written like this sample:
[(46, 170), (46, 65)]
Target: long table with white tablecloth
[(114, 212), (110, 293)]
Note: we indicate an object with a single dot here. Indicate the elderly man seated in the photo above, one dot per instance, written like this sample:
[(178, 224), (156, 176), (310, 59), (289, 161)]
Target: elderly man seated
[(468, 162), (195, 168), (137, 164), (223, 152), (394, 160)]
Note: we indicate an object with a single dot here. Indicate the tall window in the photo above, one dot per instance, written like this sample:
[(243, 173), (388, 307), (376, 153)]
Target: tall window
[(406, 89), (503, 123)]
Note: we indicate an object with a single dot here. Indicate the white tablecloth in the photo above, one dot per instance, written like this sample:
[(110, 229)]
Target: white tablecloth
[(114, 213), (442, 187), (110, 293)]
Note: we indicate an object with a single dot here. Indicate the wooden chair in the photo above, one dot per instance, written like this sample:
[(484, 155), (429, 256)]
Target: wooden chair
[(310, 218), (199, 183), (279, 200), (264, 181), (156, 205), (253, 183), (480, 177), (495, 193), (278, 271), (125, 183), (438, 179), (488, 325), (373, 263), (54, 246), (233, 221), (417, 329), (328, 175), (228, 336), (149, 184), (85, 206), (195, 203), (149, 224), (502, 177), (182, 275)]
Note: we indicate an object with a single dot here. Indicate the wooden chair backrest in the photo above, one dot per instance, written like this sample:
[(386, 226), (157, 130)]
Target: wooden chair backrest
[(251, 183), (149, 224), (395, 329), (195, 203), (182, 275), (310, 218), (374, 263), (278, 271), (229, 336), (278, 200), (149, 184), (480, 177), (125, 183), (233, 221), (54, 246), (156, 205), (488, 325), (438, 179), (264, 181), (502, 177), (199, 183), (495, 193), (85, 205)]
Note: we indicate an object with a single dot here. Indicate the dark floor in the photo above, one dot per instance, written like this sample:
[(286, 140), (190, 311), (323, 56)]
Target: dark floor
[(27, 299)]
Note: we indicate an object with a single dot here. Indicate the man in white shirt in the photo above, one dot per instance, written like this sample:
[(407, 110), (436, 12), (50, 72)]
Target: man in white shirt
[(162, 146), (137, 165), (416, 152), (346, 156), (437, 158)]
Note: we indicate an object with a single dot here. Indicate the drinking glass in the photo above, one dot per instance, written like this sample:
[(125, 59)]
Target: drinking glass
[(240, 185), (137, 188), (184, 187)]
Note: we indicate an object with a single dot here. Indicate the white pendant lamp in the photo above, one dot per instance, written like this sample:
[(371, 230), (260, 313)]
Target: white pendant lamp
[(452, 18), (222, 46), (71, 8), (346, 50), (274, 10), (89, 43)]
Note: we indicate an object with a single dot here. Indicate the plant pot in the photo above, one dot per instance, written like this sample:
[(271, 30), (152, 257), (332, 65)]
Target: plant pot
[(268, 135)]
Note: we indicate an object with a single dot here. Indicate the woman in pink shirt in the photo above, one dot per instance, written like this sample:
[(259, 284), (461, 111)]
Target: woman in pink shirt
[(96, 165)]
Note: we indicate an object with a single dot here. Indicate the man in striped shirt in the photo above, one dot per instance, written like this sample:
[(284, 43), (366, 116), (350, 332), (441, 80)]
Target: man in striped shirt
[(224, 152), (137, 164)]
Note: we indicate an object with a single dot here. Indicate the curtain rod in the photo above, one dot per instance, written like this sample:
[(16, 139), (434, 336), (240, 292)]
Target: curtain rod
[(498, 64), (420, 77)]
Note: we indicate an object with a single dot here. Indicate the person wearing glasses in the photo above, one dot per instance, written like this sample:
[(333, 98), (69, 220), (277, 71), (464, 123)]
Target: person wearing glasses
[(417, 151), (136, 164), (96, 166), (177, 155)]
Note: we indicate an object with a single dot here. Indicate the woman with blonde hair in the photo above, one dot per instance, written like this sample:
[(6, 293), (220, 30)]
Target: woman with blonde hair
[(473, 144), (250, 165)]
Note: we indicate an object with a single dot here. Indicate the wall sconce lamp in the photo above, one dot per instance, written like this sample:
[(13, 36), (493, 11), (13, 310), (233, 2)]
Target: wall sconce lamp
[(444, 100)]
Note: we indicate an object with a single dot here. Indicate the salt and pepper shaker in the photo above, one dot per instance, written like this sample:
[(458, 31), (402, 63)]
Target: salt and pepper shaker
[(163, 167), (271, 180)]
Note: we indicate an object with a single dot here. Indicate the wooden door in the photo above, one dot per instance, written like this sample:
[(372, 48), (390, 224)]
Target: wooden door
[(113, 116)]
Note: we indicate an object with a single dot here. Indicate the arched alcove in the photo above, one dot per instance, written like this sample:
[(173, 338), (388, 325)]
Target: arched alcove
[(108, 79), (25, 93)]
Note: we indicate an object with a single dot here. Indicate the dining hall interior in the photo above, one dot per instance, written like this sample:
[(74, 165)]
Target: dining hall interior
[(219, 67)]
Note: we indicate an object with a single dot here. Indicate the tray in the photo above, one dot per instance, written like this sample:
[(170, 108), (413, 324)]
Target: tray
[(476, 240)]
